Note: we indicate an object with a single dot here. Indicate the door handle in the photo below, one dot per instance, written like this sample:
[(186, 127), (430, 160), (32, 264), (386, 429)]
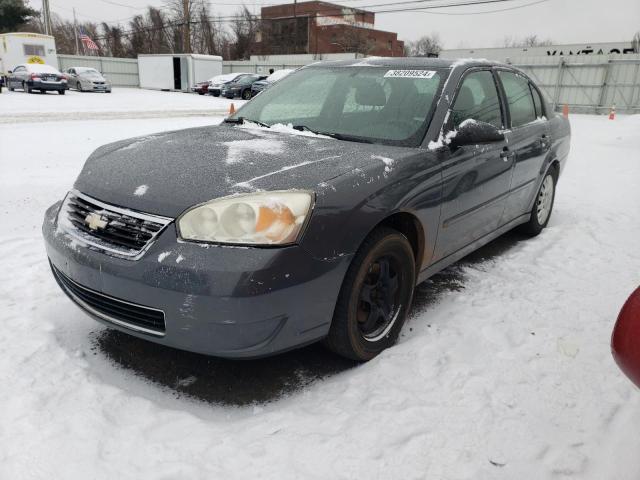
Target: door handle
[(545, 142), (506, 154)]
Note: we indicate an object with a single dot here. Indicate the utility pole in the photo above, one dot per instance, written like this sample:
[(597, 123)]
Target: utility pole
[(186, 14), (46, 17), (75, 31), (295, 27)]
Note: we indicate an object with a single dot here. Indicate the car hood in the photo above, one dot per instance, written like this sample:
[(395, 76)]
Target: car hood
[(166, 173), (92, 76)]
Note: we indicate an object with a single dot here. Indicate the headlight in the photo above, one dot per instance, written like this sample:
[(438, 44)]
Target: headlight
[(267, 218)]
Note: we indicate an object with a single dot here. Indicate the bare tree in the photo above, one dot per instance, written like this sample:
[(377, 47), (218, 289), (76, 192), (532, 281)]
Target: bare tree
[(244, 29), (426, 46), (635, 43), (526, 42), (356, 40)]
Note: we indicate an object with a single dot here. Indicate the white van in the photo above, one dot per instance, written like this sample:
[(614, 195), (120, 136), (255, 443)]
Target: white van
[(19, 48)]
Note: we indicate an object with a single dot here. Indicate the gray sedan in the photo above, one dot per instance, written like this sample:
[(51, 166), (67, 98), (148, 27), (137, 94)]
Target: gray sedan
[(313, 211), (86, 79)]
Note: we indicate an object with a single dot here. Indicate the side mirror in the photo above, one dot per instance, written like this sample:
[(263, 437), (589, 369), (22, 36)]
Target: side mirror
[(473, 132), (9, 71)]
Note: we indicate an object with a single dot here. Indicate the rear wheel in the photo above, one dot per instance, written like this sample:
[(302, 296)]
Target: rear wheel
[(375, 297), (61, 92), (543, 204), (26, 88)]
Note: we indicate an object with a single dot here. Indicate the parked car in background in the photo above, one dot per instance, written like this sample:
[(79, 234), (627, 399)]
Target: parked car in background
[(261, 85), (86, 79), (201, 88), (217, 82), (249, 240), (34, 76), (240, 87)]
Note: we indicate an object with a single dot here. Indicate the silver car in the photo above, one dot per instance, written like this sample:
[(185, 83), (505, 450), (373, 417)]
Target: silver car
[(86, 79)]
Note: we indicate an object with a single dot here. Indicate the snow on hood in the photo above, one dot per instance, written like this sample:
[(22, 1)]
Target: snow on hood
[(183, 168)]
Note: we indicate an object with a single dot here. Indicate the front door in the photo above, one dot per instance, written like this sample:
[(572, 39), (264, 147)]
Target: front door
[(476, 177)]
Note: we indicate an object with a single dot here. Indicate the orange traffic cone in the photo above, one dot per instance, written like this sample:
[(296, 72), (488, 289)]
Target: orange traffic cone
[(612, 113), (565, 110), (232, 109)]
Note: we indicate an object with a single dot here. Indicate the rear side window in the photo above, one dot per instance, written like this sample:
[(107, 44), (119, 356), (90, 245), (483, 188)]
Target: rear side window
[(477, 99), (519, 98), (537, 101)]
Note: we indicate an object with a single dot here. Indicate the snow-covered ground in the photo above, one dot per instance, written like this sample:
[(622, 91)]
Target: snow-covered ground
[(503, 371), (121, 103)]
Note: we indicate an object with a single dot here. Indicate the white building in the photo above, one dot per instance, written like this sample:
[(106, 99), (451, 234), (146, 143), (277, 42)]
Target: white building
[(177, 71), (17, 48)]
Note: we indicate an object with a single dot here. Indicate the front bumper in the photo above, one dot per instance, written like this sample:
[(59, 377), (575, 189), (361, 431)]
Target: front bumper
[(224, 301), (96, 87)]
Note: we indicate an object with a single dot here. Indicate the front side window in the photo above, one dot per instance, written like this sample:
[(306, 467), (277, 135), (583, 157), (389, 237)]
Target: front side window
[(477, 99), (374, 104), (519, 98)]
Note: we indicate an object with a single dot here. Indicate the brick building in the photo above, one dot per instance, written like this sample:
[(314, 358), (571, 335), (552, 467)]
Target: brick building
[(320, 27)]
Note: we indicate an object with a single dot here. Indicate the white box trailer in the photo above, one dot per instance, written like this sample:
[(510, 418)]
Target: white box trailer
[(17, 48), (177, 72)]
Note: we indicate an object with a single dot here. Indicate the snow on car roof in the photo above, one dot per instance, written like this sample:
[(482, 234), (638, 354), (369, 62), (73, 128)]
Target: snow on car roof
[(38, 68)]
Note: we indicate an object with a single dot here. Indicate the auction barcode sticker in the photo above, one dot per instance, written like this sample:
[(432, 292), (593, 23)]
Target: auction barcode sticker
[(410, 73)]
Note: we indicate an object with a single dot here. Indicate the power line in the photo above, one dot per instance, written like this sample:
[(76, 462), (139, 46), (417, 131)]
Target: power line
[(424, 9), (486, 11)]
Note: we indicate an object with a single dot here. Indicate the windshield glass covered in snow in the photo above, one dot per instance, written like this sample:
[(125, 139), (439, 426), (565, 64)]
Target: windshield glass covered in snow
[(373, 104)]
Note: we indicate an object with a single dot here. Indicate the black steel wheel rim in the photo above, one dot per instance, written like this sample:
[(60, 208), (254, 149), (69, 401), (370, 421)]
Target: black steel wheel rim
[(379, 298)]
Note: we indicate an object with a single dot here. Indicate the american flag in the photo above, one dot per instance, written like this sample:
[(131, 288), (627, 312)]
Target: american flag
[(87, 42)]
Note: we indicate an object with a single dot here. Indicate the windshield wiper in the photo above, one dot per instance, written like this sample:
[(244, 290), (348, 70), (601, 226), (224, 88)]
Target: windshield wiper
[(337, 136), (241, 120)]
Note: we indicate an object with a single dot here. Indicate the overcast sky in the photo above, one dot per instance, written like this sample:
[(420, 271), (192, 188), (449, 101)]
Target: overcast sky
[(563, 21)]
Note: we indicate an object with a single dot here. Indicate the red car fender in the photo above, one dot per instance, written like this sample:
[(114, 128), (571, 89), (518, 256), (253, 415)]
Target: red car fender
[(625, 340)]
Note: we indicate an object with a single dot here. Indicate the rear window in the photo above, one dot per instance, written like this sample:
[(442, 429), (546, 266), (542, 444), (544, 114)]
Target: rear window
[(36, 68)]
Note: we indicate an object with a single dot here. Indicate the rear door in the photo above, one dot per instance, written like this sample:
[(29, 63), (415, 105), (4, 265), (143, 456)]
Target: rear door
[(476, 177), (528, 137)]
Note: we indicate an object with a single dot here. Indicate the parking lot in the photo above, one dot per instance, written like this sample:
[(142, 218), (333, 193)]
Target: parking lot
[(502, 372)]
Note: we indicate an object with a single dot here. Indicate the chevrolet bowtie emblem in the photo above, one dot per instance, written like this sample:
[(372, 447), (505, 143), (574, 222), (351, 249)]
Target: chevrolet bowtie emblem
[(95, 221)]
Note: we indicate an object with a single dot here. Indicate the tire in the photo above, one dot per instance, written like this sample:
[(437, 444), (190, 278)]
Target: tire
[(215, 94), (79, 87), (26, 88), (62, 92), (542, 205), (246, 95), (369, 313)]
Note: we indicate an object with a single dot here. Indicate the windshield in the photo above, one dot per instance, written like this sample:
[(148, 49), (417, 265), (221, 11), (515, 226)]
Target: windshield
[(89, 71), (373, 104)]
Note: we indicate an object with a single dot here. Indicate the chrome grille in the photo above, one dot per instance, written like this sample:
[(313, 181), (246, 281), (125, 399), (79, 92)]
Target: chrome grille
[(112, 229)]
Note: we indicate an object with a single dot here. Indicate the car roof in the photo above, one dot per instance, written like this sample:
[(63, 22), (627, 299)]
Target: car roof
[(409, 62)]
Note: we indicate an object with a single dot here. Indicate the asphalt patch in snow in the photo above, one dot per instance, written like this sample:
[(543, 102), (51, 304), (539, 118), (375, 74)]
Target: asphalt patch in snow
[(246, 382)]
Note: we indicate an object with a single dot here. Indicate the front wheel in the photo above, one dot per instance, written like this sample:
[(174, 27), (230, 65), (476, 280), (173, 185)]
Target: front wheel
[(543, 204), (375, 297), (246, 95), (61, 92)]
